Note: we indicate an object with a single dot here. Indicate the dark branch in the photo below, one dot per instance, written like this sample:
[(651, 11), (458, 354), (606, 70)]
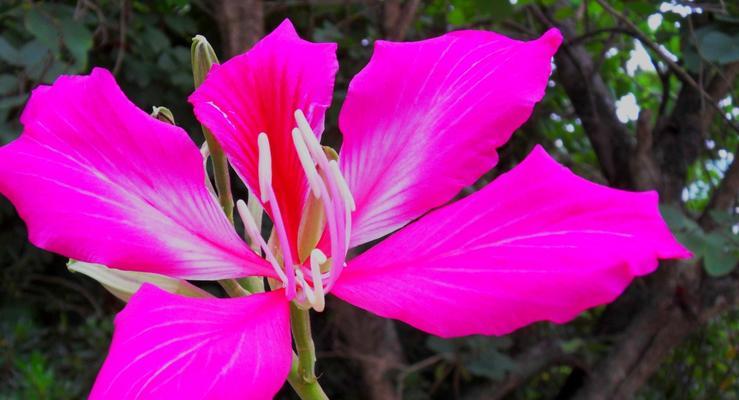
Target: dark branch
[(594, 104), (725, 195), (528, 364)]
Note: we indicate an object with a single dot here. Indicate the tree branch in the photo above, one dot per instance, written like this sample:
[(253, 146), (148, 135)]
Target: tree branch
[(527, 365), (593, 103), (397, 19), (241, 23), (678, 70), (725, 195)]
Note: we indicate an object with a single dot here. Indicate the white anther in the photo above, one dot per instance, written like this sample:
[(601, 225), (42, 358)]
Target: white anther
[(255, 236), (316, 259), (314, 180), (343, 186), (265, 166)]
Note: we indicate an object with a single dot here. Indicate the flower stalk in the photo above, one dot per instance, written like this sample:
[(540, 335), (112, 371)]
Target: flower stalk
[(302, 375), (306, 390), (203, 57)]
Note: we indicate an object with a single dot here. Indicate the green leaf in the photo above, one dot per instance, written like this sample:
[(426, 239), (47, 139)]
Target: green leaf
[(642, 8), (43, 28), (12, 101), (564, 13), (456, 17), (498, 9), (182, 25), (490, 364), (78, 40), (685, 229), (8, 53), (155, 39), (719, 256), (8, 83), (572, 345), (53, 71), (440, 346), (716, 45), (676, 219), (719, 47), (33, 53)]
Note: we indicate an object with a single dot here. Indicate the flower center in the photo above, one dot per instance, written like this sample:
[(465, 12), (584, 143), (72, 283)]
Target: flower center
[(308, 284)]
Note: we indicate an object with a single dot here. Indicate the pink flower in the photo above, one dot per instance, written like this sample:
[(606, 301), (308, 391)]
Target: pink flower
[(98, 180)]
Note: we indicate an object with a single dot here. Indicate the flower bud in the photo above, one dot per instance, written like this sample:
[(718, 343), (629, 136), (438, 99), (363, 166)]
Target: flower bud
[(163, 114), (203, 57), (123, 284)]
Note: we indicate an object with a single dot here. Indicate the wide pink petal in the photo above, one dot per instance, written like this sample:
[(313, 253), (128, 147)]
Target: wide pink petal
[(424, 119), (539, 243), (167, 346), (97, 179), (259, 91)]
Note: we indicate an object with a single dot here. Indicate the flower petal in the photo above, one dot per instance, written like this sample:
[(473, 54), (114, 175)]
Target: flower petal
[(424, 119), (539, 243), (259, 91), (98, 180), (168, 346)]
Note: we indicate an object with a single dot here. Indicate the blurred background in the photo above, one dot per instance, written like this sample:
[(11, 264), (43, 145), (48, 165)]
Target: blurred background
[(642, 97)]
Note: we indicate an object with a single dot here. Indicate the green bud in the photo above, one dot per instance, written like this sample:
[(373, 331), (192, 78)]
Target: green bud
[(163, 114), (123, 284), (203, 57)]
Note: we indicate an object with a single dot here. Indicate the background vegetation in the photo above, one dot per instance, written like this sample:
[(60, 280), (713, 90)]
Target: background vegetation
[(643, 97)]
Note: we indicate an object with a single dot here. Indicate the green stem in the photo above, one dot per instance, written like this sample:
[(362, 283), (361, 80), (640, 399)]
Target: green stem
[(203, 57), (303, 373), (220, 172), (306, 390)]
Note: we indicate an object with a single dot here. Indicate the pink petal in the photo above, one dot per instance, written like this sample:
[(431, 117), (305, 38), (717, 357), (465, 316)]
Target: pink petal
[(539, 243), (167, 346), (96, 179), (424, 119), (259, 91)]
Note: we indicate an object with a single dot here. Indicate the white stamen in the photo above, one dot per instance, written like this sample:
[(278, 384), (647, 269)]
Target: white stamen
[(256, 212), (302, 121), (255, 236), (314, 146), (316, 259), (343, 186), (307, 162), (249, 223), (279, 229), (265, 166)]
